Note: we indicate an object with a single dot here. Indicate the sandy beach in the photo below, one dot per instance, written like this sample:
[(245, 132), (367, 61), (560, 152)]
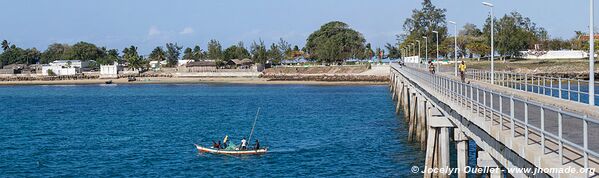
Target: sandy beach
[(167, 80)]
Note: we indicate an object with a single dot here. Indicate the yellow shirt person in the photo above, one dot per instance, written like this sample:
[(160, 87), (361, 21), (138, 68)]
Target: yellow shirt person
[(462, 67)]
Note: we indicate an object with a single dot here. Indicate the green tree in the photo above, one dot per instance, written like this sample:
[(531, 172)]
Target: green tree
[(84, 51), (229, 53), (275, 54), (188, 54), (111, 56), (172, 54), (215, 50), (54, 52), (469, 34), (158, 54), (135, 61), (237, 51), (423, 22), (198, 53), (32, 56), (394, 52), (514, 33), (478, 46), (285, 48), (334, 42), (5, 45), (13, 55), (241, 52), (259, 52)]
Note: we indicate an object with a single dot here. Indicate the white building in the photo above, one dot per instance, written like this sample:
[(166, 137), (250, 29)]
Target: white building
[(64, 67), (59, 70), (184, 62), (110, 71), (155, 65), (412, 59), (71, 63), (564, 54)]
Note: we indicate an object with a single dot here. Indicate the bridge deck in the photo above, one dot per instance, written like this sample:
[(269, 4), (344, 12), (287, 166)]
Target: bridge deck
[(536, 118)]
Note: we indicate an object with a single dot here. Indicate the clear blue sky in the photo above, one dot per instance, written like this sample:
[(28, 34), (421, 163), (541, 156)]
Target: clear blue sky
[(149, 23)]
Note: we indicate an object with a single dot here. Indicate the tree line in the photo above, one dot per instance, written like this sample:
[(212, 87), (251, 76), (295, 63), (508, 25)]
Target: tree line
[(333, 42), (512, 33)]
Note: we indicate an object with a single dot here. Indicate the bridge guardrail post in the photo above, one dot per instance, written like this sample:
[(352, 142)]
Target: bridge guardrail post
[(533, 84), (500, 113), (526, 121), (585, 140), (485, 104), (578, 95), (569, 90), (471, 99), (560, 135), (560, 87), (526, 82), (491, 104), (544, 85), (512, 122), (477, 101), (503, 79), (551, 87), (542, 129)]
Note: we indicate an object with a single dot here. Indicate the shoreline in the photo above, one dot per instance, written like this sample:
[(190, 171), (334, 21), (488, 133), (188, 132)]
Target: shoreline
[(168, 80)]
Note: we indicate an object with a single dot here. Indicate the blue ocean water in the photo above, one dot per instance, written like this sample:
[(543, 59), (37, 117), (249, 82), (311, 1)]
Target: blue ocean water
[(149, 130)]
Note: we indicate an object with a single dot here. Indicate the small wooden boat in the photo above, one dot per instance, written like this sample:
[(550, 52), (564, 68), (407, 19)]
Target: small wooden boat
[(214, 150), (231, 152), (108, 82), (131, 79)]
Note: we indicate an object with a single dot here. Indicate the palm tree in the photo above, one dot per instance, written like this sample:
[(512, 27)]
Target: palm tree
[(158, 54), (5, 45)]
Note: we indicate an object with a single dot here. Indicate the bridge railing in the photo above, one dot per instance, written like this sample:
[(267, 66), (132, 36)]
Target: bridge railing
[(554, 129), (563, 88)]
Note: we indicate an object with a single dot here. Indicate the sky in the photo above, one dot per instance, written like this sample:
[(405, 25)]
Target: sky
[(151, 23)]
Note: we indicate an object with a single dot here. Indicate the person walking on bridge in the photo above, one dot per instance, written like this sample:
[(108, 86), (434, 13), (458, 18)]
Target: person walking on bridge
[(462, 68)]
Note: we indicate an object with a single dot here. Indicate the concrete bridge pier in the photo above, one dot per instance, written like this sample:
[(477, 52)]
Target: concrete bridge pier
[(393, 88), (461, 143), (414, 115), (486, 162), (437, 147), (401, 98)]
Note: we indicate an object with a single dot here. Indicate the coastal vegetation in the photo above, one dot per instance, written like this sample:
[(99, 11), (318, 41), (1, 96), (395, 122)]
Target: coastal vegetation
[(513, 33), (333, 42)]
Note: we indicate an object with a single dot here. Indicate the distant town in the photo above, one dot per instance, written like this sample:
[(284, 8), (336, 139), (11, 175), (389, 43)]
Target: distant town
[(333, 44)]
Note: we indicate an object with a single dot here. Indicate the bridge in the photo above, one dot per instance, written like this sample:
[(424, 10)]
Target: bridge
[(512, 128)]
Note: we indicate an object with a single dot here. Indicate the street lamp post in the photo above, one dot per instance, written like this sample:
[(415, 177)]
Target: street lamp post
[(419, 49), (591, 56), (455, 47), (426, 48), (401, 51), (437, 34), (492, 45)]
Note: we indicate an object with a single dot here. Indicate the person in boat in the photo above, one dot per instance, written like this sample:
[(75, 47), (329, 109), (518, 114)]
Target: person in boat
[(225, 144), (243, 145), (257, 145), (216, 145)]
